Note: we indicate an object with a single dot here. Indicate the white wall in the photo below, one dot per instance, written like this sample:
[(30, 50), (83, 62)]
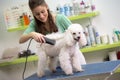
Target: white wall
[(109, 15), (107, 20)]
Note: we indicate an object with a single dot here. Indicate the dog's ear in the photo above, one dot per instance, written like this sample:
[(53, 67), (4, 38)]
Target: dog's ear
[(69, 38), (82, 41)]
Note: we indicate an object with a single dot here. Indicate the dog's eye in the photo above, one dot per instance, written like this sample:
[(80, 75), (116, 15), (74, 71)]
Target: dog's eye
[(74, 33)]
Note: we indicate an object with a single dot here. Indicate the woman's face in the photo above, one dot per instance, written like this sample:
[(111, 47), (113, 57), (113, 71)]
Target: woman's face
[(41, 13)]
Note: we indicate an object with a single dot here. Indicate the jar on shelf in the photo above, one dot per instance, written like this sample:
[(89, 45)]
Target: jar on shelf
[(26, 19)]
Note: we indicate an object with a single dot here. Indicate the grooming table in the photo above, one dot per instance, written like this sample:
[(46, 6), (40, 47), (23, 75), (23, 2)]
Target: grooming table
[(94, 71)]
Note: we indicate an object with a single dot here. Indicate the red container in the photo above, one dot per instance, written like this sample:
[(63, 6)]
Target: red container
[(118, 54)]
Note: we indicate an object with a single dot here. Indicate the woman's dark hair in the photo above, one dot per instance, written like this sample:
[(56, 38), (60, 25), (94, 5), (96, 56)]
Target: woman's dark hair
[(40, 26)]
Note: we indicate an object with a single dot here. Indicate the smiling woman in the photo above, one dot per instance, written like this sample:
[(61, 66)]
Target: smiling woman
[(44, 22), (107, 20)]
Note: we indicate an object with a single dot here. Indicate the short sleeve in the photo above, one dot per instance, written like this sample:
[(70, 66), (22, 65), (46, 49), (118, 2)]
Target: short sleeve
[(62, 22), (31, 28)]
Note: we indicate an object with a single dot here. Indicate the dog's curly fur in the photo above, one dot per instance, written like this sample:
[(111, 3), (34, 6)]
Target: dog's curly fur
[(66, 50)]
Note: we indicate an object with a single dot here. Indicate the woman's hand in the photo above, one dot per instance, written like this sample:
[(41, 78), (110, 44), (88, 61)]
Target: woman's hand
[(38, 37)]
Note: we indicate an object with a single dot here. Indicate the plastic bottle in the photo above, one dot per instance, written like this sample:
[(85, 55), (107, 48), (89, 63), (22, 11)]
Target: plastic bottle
[(87, 6), (71, 10), (62, 10), (26, 19), (93, 7), (91, 34), (21, 22), (97, 36), (58, 9), (30, 18), (76, 7), (87, 36), (8, 17), (112, 55), (110, 39), (117, 32), (82, 7), (119, 36), (104, 39), (67, 9), (115, 38)]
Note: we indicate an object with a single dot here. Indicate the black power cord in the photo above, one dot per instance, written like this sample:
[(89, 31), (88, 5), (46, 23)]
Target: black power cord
[(27, 53)]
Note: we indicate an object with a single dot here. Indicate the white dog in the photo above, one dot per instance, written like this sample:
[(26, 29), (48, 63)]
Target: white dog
[(66, 50)]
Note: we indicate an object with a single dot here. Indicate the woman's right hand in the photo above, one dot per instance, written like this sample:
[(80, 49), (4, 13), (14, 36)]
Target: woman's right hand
[(38, 37)]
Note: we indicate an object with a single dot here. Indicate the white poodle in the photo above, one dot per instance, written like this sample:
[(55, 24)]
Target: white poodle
[(66, 50)]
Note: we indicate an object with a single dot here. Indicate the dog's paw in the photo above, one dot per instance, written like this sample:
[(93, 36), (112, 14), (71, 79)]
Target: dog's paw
[(68, 72), (80, 70), (40, 74), (54, 71)]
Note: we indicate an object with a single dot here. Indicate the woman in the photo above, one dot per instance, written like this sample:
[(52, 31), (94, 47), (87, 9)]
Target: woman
[(44, 22)]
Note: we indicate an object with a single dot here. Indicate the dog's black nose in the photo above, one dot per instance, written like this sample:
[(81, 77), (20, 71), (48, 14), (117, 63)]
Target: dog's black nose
[(78, 37)]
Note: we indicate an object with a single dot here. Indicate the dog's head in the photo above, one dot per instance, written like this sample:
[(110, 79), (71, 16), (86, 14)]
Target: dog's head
[(75, 34)]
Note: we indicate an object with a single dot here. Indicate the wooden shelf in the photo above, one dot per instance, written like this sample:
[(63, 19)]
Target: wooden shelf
[(84, 50), (72, 18)]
